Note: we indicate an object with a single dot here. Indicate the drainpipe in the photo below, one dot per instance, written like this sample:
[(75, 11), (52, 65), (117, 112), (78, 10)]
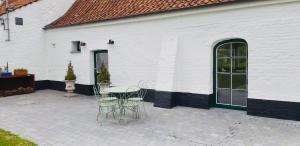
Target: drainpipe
[(7, 19)]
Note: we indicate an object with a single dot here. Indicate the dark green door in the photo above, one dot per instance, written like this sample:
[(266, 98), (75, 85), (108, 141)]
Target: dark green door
[(231, 73), (100, 57)]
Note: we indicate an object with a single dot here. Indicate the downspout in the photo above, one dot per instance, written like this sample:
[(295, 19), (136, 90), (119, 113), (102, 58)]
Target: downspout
[(7, 19)]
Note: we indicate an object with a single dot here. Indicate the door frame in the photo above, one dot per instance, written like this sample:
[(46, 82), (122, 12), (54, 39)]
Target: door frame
[(214, 95), (95, 61)]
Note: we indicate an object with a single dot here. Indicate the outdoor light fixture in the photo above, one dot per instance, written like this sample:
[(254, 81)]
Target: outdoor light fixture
[(2, 21), (83, 44), (9, 9), (111, 42)]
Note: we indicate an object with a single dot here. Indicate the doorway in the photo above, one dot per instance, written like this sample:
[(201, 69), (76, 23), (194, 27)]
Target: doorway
[(100, 58), (231, 74)]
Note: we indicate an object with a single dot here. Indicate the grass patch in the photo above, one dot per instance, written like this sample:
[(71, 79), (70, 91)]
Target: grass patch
[(9, 139)]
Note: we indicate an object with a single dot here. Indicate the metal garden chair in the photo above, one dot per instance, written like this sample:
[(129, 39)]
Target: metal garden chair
[(106, 103), (140, 95), (127, 104), (103, 90)]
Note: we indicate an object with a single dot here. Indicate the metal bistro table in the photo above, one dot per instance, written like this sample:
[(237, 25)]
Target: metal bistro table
[(120, 91)]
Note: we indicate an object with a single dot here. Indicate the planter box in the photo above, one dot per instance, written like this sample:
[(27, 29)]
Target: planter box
[(16, 85), (6, 74), (20, 73)]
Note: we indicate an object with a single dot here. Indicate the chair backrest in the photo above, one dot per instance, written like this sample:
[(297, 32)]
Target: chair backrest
[(128, 94), (103, 89), (96, 92), (143, 89)]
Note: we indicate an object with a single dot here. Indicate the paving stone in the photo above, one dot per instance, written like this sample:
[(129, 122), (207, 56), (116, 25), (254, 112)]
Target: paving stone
[(50, 119)]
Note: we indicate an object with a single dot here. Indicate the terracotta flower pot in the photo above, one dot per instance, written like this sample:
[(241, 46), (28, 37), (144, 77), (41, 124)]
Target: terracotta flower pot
[(70, 87)]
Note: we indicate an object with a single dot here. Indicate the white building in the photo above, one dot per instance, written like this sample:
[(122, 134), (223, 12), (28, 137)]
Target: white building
[(218, 53), (23, 45)]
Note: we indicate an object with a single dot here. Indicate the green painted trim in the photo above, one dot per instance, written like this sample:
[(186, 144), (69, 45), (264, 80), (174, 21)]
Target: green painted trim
[(213, 96), (231, 107)]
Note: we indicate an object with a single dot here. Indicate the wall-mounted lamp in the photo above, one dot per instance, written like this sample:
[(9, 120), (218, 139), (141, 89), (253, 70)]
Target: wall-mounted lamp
[(2, 21), (53, 45), (82, 44), (9, 9), (111, 42)]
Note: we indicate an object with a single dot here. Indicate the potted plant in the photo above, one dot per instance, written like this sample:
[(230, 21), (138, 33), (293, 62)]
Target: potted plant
[(20, 72), (104, 75), (70, 80)]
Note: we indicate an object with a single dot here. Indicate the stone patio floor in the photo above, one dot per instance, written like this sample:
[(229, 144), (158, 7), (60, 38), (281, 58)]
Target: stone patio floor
[(50, 119)]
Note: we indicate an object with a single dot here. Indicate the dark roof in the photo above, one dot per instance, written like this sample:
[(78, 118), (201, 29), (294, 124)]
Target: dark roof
[(14, 4), (90, 11)]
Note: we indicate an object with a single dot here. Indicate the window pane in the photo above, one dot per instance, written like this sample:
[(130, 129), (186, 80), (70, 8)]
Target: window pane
[(239, 65), (239, 81), (224, 65), (102, 58), (224, 80), (224, 50), (239, 97), (224, 96), (239, 49)]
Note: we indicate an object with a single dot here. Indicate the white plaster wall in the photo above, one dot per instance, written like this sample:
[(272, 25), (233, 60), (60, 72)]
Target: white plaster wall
[(272, 33), (26, 48)]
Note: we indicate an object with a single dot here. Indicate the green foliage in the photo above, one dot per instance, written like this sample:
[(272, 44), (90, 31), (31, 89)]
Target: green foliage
[(9, 139), (104, 75), (20, 69), (70, 73), (6, 69)]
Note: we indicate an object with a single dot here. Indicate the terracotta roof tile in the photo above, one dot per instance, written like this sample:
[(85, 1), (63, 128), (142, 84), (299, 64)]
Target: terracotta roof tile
[(14, 4), (89, 11)]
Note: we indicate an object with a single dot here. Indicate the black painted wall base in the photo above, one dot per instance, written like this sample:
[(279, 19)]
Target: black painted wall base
[(159, 98), (149, 97), (192, 100), (274, 109), (165, 99), (60, 86)]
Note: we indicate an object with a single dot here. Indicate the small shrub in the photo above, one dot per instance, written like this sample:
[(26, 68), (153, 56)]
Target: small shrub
[(70, 73), (104, 75)]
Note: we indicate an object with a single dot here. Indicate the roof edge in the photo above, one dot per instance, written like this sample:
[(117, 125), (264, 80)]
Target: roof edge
[(140, 15), (13, 9)]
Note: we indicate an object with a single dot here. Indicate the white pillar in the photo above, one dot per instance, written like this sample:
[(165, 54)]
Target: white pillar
[(166, 72)]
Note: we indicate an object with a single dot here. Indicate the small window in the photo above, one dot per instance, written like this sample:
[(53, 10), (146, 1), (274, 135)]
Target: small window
[(76, 47), (19, 21)]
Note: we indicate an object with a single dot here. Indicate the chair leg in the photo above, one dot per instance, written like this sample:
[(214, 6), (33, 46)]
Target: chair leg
[(99, 115), (134, 112), (138, 112), (144, 108), (113, 112), (99, 112)]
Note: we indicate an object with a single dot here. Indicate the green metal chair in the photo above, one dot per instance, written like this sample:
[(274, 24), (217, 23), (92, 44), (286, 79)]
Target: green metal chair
[(103, 91), (140, 95), (127, 104), (106, 103)]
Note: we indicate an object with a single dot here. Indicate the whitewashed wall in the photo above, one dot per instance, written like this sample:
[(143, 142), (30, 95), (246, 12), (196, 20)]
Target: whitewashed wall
[(175, 50), (26, 48)]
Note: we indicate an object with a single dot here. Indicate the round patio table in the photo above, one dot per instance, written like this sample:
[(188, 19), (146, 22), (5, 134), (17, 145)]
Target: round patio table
[(122, 89)]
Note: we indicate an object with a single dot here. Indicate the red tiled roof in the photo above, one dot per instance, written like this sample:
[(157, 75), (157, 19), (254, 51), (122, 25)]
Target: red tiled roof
[(14, 4), (89, 11)]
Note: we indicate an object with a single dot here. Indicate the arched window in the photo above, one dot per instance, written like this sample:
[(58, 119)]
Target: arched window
[(231, 72)]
